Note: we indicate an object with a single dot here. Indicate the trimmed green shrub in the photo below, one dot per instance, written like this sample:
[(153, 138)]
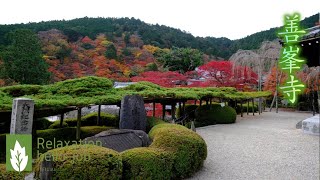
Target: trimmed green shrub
[(244, 108), (147, 163), (153, 121), (83, 162), (189, 109), (176, 152), (10, 175), (186, 147), (22, 90), (215, 114), (88, 131), (56, 125), (91, 120), (69, 133), (42, 123)]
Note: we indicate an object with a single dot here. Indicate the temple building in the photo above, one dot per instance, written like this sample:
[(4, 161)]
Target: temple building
[(310, 44)]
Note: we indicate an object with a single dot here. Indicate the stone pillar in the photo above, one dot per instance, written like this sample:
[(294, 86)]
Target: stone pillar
[(133, 113), (22, 116)]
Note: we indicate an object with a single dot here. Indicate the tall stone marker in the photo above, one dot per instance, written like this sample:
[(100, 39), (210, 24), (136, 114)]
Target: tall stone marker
[(22, 116), (133, 113)]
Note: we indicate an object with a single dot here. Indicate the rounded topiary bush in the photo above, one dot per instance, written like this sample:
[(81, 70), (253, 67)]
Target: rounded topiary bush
[(246, 108), (226, 115), (147, 163), (83, 162), (91, 120), (186, 147), (215, 114), (153, 121), (42, 123), (5, 175), (56, 125)]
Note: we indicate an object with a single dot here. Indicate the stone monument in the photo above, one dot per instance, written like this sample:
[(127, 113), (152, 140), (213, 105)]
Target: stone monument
[(133, 113), (22, 116)]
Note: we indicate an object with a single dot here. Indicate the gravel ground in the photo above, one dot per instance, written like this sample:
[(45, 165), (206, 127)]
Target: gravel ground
[(266, 146)]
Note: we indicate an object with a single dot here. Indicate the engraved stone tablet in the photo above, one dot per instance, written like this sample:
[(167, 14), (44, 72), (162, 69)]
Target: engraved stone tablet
[(22, 116), (133, 113)]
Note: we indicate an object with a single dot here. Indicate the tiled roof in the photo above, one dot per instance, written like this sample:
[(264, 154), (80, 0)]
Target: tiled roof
[(312, 33)]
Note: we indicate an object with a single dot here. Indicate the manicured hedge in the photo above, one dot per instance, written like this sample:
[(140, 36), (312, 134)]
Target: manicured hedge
[(69, 133), (186, 147), (41, 123), (147, 163), (10, 175), (66, 134), (91, 120), (215, 114), (38, 124), (56, 125), (176, 153), (153, 121), (96, 90), (83, 162), (244, 108)]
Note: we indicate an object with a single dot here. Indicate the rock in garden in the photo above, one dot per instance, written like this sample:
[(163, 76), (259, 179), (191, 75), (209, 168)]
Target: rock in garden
[(133, 113), (311, 125), (120, 139)]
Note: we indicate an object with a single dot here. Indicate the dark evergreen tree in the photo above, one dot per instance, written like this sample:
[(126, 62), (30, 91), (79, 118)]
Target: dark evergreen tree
[(22, 59), (111, 52)]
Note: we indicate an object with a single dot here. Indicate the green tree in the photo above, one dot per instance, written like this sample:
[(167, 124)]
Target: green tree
[(22, 58), (111, 52), (181, 59)]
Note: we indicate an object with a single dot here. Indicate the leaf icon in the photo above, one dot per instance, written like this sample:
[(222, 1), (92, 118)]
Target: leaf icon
[(19, 160)]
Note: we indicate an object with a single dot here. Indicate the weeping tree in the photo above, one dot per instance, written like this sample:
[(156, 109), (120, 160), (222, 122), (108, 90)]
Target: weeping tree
[(312, 82), (261, 61)]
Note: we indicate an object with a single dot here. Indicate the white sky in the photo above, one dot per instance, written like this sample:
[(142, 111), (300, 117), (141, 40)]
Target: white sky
[(233, 19)]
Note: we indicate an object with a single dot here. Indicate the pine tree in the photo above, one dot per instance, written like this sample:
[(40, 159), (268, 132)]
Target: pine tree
[(23, 60)]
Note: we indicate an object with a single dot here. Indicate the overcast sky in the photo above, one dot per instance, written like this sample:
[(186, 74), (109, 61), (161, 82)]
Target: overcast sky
[(233, 19)]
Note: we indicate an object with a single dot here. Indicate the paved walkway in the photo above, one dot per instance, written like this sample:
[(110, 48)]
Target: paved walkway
[(266, 146)]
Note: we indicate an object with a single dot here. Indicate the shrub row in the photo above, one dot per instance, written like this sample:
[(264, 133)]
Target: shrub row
[(83, 162), (215, 114), (66, 134), (153, 121), (209, 114), (244, 108), (69, 133), (38, 124), (91, 120), (176, 152)]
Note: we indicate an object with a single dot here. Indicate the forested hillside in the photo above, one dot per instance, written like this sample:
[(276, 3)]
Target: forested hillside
[(156, 35), (118, 49)]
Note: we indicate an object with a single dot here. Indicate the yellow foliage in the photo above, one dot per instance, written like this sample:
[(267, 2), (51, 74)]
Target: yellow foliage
[(150, 48)]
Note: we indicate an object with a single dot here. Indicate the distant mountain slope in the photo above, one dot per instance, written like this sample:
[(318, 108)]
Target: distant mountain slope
[(161, 36)]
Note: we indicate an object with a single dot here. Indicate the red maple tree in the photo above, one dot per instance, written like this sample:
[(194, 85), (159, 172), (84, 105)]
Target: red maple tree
[(224, 74)]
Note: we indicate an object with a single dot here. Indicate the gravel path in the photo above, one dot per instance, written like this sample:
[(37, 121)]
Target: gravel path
[(266, 146)]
